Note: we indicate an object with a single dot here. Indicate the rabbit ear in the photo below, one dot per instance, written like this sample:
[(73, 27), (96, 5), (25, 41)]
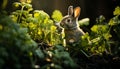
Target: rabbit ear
[(77, 12), (70, 10)]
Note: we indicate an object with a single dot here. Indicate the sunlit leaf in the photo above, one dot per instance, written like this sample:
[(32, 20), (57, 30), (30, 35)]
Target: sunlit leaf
[(114, 21), (39, 32), (99, 28), (28, 1), (95, 40), (14, 18), (28, 6), (117, 11), (57, 15), (111, 22), (107, 36), (53, 28), (32, 25), (1, 27), (84, 21), (94, 28), (16, 4)]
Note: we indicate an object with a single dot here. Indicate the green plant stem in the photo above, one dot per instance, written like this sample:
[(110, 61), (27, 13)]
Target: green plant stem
[(21, 14), (85, 53)]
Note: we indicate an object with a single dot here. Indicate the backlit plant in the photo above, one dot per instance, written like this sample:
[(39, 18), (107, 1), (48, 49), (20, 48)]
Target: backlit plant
[(40, 26)]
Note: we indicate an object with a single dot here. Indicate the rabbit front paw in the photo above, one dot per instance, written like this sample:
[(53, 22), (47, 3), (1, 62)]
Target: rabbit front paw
[(71, 41)]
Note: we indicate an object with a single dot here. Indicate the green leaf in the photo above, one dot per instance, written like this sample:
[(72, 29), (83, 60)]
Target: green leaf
[(117, 11), (57, 15), (84, 21), (99, 28), (28, 6), (39, 53), (107, 36), (114, 21), (17, 4)]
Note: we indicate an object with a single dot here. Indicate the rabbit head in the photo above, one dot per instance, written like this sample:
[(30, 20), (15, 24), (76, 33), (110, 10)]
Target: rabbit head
[(71, 20)]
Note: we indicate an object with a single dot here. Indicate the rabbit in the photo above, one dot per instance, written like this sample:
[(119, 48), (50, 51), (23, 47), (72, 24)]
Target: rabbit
[(71, 27)]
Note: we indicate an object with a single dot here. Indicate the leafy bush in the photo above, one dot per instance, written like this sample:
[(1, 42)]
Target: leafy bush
[(16, 46), (57, 58), (40, 26), (101, 38), (106, 31)]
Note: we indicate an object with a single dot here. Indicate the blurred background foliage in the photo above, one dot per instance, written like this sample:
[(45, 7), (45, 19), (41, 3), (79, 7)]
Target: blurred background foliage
[(30, 39), (16, 46)]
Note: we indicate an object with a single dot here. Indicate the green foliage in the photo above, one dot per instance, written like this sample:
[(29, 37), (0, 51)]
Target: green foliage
[(117, 11), (114, 21), (40, 26), (58, 58), (114, 24), (57, 16), (99, 29), (84, 21), (100, 39), (16, 46)]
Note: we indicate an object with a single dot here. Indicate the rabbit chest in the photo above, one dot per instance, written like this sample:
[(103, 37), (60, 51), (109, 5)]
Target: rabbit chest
[(73, 36)]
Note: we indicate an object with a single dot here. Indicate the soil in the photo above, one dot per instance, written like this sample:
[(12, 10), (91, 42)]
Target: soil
[(105, 61)]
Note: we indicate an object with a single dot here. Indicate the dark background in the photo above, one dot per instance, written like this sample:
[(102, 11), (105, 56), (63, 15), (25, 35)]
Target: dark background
[(89, 8)]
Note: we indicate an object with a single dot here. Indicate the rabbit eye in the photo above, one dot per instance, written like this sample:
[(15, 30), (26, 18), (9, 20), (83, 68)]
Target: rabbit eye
[(68, 20)]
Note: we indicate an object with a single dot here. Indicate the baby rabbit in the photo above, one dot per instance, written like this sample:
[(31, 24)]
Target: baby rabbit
[(71, 27)]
